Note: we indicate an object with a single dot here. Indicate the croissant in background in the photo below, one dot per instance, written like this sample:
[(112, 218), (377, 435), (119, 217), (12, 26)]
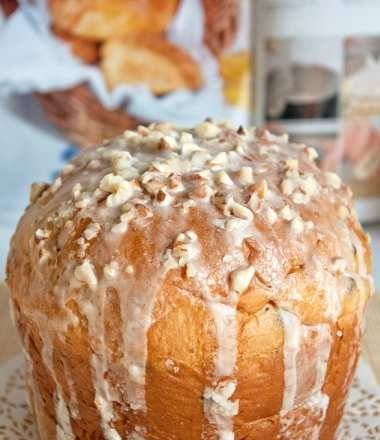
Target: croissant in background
[(99, 20), (161, 65)]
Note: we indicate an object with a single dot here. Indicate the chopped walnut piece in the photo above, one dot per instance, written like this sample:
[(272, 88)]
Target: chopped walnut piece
[(91, 231), (339, 265), (333, 180), (207, 130), (343, 212), (85, 273), (111, 270), (245, 176), (271, 216), (36, 190), (297, 225), (241, 278)]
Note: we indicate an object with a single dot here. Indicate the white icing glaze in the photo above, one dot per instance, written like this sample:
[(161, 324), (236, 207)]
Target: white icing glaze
[(220, 409), (163, 171), (62, 415), (296, 333), (226, 334), (94, 312), (292, 343)]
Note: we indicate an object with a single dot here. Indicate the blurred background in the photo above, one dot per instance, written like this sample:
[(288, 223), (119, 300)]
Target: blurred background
[(75, 73)]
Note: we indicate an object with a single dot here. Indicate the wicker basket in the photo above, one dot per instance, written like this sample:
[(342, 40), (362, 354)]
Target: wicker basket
[(82, 118)]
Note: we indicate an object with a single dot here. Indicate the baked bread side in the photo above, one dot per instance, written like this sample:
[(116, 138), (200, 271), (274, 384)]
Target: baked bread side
[(205, 283)]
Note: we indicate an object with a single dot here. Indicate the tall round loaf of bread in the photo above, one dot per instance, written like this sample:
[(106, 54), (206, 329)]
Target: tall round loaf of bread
[(185, 285)]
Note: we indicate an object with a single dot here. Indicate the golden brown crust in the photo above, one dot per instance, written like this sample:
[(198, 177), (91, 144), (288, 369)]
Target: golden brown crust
[(99, 20), (85, 268), (150, 60)]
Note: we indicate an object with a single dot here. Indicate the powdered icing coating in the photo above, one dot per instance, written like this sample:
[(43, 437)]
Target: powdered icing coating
[(238, 217)]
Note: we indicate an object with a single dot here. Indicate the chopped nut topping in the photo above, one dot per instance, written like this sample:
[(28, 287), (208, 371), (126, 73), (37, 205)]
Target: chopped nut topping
[(343, 212), (218, 161), (82, 247), (56, 185), (170, 365), (42, 233), (94, 164), (85, 273), (218, 403), (241, 278), (287, 213), (339, 265), (163, 198), (130, 269), (184, 250), (111, 270), (189, 147), (36, 191), (333, 180), (271, 216), (234, 224), (77, 189), (241, 130), (262, 189), (91, 231), (207, 130), (44, 256), (241, 211), (202, 192), (167, 143), (291, 163), (223, 179), (311, 153), (121, 189), (186, 137), (245, 176), (288, 186), (297, 225), (68, 169), (191, 270)]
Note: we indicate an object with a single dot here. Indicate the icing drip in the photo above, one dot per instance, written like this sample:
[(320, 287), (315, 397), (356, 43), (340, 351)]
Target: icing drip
[(220, 409), (64, 431), (226, 333), (98, 360), (137, 299), (319, 338), (292, 342), (62, 415), (295, 333), (218, 406)]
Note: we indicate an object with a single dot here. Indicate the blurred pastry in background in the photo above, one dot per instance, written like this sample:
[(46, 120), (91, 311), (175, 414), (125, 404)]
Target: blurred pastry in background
[(87, 51), (235, 71), (149, 60), (101, 19), (8, 7), (361, 90), (221, 19)]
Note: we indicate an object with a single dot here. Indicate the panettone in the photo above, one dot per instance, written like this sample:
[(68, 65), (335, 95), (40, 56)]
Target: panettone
[(190, 284)]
